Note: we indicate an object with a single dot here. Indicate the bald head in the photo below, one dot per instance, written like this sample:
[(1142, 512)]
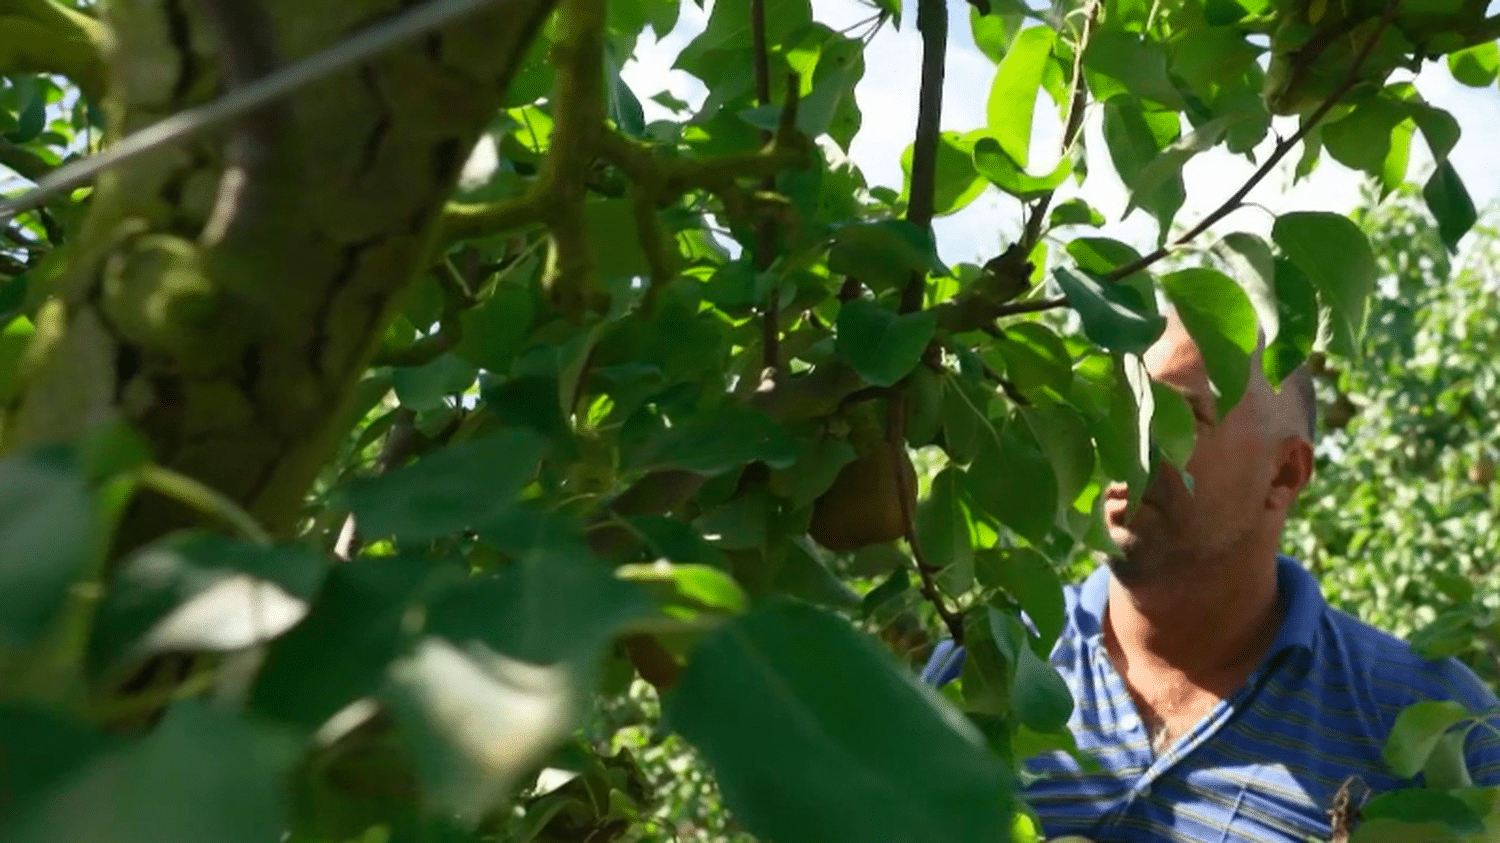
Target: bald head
[(1290, 409)]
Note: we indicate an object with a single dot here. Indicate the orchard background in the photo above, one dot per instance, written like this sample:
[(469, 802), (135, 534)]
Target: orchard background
[(575, 420)]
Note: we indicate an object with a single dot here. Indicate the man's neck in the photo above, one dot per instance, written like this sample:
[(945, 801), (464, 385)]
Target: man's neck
[(1214, 624)]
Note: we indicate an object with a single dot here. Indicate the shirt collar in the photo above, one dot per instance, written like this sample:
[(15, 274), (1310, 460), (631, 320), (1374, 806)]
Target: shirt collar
[(1299, 592)]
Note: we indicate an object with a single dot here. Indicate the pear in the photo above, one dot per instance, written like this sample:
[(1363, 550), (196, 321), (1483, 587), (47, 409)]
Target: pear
[(864, 506)]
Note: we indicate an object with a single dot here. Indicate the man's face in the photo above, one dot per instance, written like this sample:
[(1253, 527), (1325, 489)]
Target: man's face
[(1231, 467)]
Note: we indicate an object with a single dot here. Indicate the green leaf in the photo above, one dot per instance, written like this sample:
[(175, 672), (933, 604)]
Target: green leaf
[(965, 423), (457, 487), (426, 387), (1026, 575), (1386, 830), (1101, 255), (1374, 137), (714, 441), (502, 666), (13, 343), (1447, 768), (174, 786), (1114, 317), (1040, 698), (995, 164), (671, 539), (1113, 419), (1450, 204), (1035, 357), (1248, 259), (943, 522), (49, 537), (340, 651), (924, 415), (1165, 169), (1012, 101), (765, 698), (1134, 137), (1219, 317), (612, 221), (995, 32), (1423, 805), (1120, 63), (1297, 322), (840, 65), (957, 182), (896, 584), (495, 331), (1173, 426), (1075, 212), (708, 586), (803, 575), (1439, 127), (203, 592), (1477, 66), (883, 254), (728, 28), (1416, 733), (881, 345), (1064, 437), (1012, 480), (44, 748), (1335, 256), (1446, 635), (819, 460)]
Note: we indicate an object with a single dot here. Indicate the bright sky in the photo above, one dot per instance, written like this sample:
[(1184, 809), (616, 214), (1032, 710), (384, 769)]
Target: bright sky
[(888, 99)]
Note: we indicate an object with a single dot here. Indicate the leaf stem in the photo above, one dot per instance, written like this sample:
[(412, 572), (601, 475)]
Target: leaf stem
[(1033, 231), (206, 499), (1282, 148)]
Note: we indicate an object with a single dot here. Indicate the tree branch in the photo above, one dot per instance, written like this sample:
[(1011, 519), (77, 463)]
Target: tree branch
[(471, 220), (656, 182), (578, 115), (765, 230), (932, 22), (1282, 148), (246, 99)]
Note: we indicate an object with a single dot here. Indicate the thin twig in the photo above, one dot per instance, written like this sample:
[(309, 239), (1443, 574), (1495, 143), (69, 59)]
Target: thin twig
[(248, 98), (1034, 306), (1282, 148), (1033, 232), (896, 441)]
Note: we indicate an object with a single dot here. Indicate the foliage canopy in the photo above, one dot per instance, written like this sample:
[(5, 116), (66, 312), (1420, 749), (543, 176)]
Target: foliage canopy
[(356, 492)]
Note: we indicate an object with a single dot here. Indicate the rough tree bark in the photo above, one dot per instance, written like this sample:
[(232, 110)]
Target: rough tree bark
[(225, 295)]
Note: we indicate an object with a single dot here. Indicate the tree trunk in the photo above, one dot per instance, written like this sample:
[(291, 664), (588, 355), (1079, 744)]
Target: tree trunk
[(225, 295)]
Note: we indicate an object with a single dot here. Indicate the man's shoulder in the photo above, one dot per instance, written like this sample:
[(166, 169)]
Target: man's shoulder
[(1391, 669)]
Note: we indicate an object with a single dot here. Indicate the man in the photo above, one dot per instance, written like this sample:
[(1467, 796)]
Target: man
[(1224, 699)]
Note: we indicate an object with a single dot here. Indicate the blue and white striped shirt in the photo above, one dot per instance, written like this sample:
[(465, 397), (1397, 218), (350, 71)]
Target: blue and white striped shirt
[(1265, 764)]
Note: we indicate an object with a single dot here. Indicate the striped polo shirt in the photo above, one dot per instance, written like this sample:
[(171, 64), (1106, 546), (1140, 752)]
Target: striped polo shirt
[(1265, 764)]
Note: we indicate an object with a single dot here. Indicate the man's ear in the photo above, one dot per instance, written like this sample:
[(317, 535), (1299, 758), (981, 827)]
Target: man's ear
[(1294, 468)]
